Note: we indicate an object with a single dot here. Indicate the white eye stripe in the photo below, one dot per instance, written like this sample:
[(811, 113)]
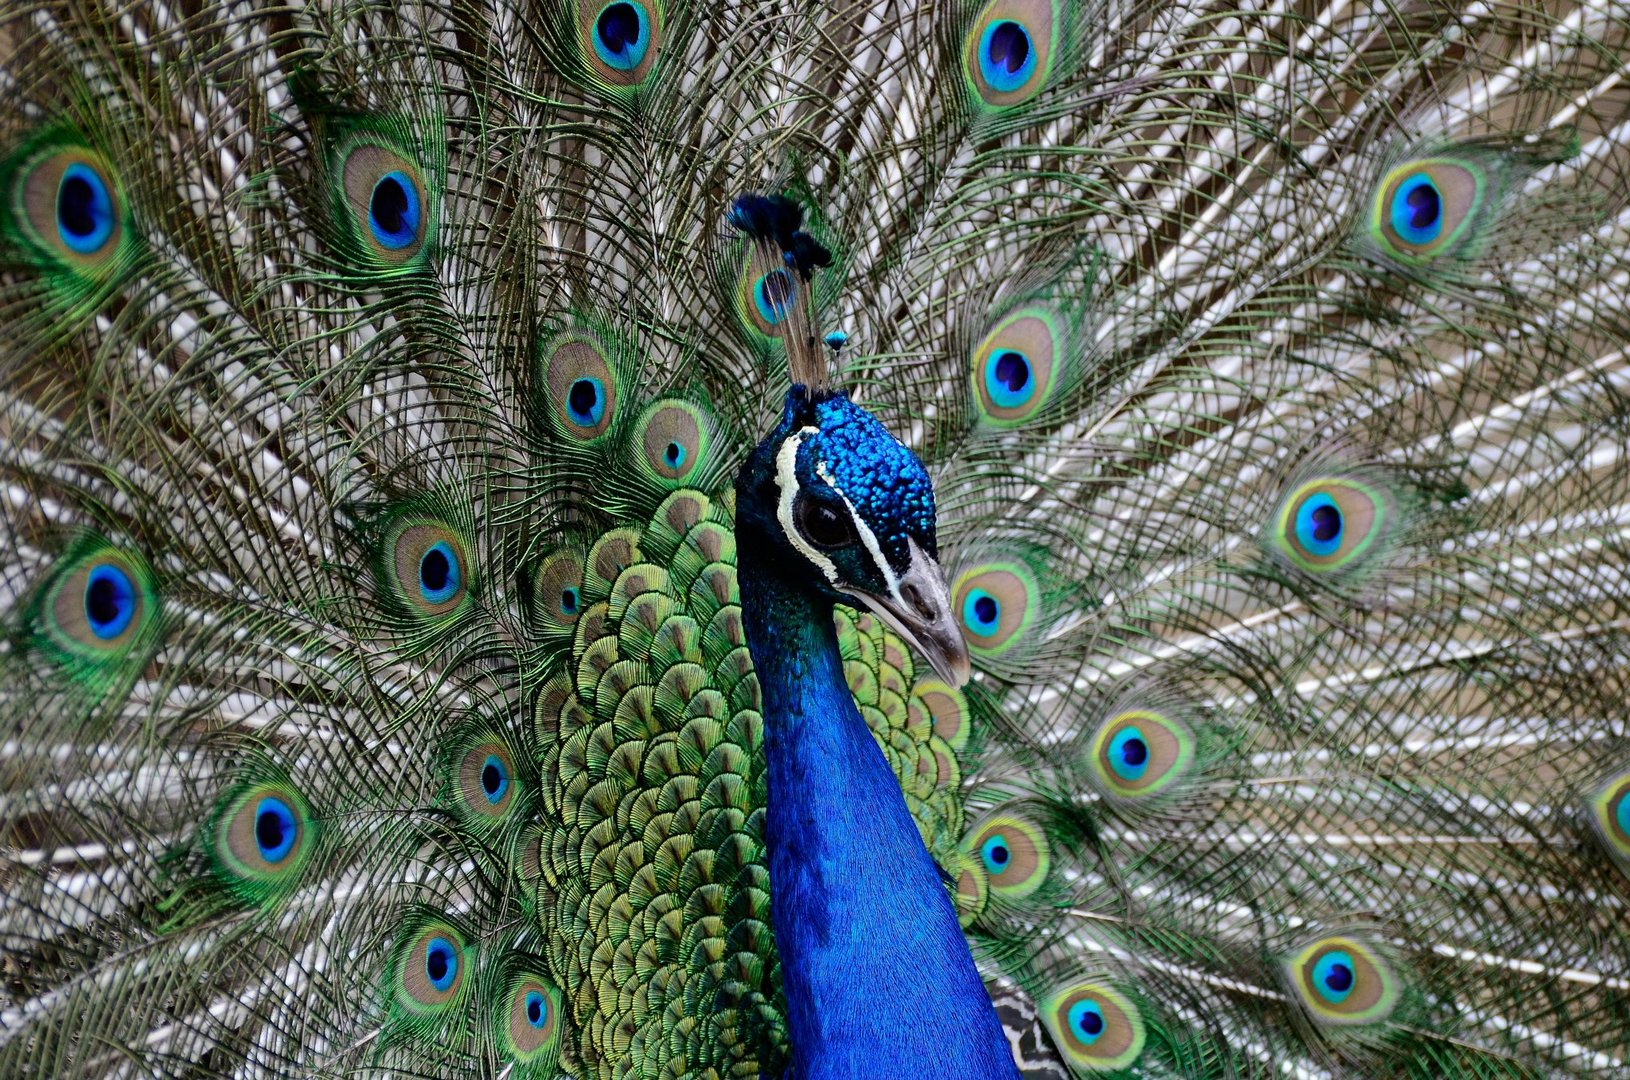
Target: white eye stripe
[(786, 482), (867, 537)]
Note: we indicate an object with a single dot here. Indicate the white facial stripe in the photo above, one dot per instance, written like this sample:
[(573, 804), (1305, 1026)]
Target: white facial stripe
[(786, 482), (867, 537)]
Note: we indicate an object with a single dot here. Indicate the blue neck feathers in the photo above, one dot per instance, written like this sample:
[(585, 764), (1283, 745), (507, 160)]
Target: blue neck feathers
[(878, 979)]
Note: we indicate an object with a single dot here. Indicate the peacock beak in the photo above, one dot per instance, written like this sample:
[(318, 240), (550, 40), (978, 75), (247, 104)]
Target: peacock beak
[(919, 610)]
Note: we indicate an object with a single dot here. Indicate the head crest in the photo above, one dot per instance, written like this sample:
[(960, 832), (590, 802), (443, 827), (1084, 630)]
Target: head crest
[(774, 223)]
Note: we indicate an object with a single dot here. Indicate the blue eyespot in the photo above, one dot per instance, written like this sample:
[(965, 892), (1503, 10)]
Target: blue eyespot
[(586, 401), (1006, 55), (537, 1010), (494, 779), (996, 854), (1009, 380), (440, 963), (772, 294), (981, 612), (1622, 816), (1333, 976), (1086, 1020), (571, 601), (439, 575), (622, 35), (84, 209), (393, 211), (1417, 210), (275, 829), (110, 601), (674, 455), (1129, 754), (1319, 524)]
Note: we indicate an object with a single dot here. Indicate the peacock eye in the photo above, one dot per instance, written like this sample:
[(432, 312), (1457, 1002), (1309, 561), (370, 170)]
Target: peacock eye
[(440, 964), (275, 829), (387, 200), (822, 525), (621, 36), (620, 40), (1005, 57)]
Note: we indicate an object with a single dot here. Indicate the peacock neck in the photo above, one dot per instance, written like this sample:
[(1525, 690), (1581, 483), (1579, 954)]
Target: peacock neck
[(878, 979)]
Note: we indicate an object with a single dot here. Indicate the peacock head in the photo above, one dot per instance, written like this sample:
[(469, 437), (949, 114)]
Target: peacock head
[(841, 508)]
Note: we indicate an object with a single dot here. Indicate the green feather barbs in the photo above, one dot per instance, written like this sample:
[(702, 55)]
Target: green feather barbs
[(1097, 1028), (1342, 981), (1009, 53)]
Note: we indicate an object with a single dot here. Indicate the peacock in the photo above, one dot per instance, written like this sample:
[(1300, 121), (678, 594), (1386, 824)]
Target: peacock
[(849, 540)]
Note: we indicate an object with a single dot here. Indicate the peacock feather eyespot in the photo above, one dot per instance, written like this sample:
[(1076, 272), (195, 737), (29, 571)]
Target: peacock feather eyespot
[(620, 40), (65, 206), (260, 836), (673, 439), (1010, 51), (1430, 207), (1140, 754), (1014, 853), (529, 1027), (765, 294), (386, 201), (430, 972), (483, 786), (1610, 817), (1095, 1027), (430, 570), (995, 604), (1334, 525), (772, 295), (97, 606), (557, 589), (580, 384), (1016, 365), (1342, 981)]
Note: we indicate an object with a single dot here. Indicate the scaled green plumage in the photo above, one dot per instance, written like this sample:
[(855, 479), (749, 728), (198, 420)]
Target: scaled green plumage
[(373, 380)]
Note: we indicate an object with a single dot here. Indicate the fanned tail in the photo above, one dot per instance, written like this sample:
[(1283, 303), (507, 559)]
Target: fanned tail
[(372, 378)]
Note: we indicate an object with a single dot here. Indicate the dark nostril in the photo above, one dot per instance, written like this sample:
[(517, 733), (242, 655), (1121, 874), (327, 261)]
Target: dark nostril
[(914, 596)]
